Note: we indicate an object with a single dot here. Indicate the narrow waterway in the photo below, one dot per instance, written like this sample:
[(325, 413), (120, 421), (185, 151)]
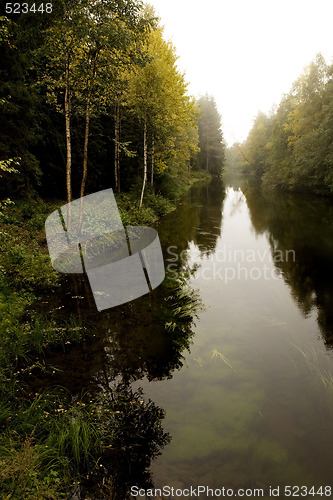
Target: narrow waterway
[(252, 405), (233, 350)]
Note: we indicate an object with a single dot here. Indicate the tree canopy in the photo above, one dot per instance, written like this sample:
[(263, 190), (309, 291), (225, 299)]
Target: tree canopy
[(212, 148), (92, 97), (291, 148)]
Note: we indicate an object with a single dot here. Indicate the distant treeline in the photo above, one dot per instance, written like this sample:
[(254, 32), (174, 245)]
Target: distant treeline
[(292, 147), (91, 97)]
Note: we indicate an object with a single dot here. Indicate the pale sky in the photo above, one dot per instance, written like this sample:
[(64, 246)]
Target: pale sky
[(246, 53)]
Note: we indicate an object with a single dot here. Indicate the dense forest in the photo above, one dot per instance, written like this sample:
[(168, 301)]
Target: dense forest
[(91, 97), (291, 148)]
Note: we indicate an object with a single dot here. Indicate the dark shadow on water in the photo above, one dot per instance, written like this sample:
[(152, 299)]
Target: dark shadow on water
[(299, 229), (198, 219), (145, 338)]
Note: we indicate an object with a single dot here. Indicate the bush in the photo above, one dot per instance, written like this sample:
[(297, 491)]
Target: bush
[(154, 206), (21, 476), (24, 262)]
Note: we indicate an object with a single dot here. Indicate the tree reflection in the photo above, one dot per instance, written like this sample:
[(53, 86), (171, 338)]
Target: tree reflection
[(137, 437), (303, 224), (153, 333), (211, 197), (143, 338)]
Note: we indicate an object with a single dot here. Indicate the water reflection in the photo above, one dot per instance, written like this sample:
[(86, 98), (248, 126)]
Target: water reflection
[(137, 437), (250, 405), (210, 219), (143, 338), (244, 410), (198, 219), (305, 225)]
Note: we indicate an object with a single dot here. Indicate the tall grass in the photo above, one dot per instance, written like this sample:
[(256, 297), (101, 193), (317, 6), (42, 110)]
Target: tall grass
[(46, 439), (54, 439)]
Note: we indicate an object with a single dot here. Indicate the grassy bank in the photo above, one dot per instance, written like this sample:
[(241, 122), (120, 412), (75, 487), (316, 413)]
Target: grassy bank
[(30, 468), (155, 205), (52, 440)]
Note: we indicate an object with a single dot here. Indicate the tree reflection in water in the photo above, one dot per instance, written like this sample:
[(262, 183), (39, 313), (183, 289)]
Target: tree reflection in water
[(144, 338), (301, 223), (133, 436)]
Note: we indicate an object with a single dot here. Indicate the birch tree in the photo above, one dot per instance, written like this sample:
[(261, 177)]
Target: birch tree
[(158, 99)]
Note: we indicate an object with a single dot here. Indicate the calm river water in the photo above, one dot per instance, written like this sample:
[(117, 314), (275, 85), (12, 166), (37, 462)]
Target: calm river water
[(245, 389), (252, 405)]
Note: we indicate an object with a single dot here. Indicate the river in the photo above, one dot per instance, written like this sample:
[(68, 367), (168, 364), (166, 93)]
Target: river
[(252, 405), (234, 350)]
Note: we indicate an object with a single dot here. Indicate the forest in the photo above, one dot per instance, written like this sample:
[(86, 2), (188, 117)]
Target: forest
[(291, 148), (91, 98)]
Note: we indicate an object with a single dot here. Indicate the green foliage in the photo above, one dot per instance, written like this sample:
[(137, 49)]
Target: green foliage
[(258, 144), (68, 437), (155, 207), (95, 57), (211, 155), (19, 125), (292, 147), (184, 304), (21, 476), (103, 68), (157, 98), (63, 439), (51, 438), (6, 165), (24, 264)]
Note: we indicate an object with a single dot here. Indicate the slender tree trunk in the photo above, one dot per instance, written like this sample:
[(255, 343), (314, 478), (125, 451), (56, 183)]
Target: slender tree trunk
[(68, 144), (85, 158), (116, 148), (118, 166), (85, 147), (86, 139), (144, 160), (207, 155), (243, 155), (152, 161)]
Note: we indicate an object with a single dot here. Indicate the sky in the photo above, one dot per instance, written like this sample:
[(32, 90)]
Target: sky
[(245, 53)]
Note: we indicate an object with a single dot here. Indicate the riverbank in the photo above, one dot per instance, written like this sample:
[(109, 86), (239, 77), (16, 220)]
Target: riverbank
[(50, 438)]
